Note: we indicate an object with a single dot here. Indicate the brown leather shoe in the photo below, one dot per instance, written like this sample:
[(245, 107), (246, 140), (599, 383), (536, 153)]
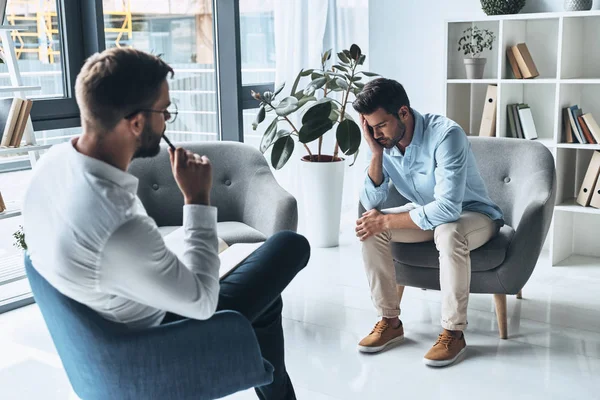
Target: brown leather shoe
[(446, 349), (380, 337)]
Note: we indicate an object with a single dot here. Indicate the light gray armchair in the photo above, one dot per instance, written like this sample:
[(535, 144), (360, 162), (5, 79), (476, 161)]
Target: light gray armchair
[(251, 204), (520, 177)]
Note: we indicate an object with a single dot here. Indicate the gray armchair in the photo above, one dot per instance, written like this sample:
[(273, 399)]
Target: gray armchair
[(251, 204), (520, 177)]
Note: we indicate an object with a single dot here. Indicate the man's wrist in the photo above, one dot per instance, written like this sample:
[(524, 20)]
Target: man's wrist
[(197, 200)]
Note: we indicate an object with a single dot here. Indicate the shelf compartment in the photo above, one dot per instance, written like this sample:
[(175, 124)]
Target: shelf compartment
[(581, 48), (455, 64)]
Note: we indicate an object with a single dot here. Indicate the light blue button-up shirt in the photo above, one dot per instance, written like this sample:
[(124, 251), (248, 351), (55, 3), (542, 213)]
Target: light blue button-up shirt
[(437, 172)]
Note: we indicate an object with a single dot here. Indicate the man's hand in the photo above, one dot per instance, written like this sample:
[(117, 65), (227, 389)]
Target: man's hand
[(371, 223), (376, 148), (193, 174)]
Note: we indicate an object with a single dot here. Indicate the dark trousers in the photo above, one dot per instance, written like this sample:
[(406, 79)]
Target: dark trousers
[(254, 290)]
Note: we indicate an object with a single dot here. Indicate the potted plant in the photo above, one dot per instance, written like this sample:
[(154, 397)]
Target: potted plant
[(322, 104), (502, 7), (472, 43), (19, 237)]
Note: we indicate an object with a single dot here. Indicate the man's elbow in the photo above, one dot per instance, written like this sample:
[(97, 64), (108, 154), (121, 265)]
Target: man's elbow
[(451, 211)]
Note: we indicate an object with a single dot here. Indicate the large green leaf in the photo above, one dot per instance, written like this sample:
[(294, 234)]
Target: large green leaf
[(326, 56), (260, 117), (348, 136), (355, 157), (306, 99), (306, 72), (316, 75), (282, 151), (342, 83), (355, 52), (287, 106), (343, 57), (361, 61), (369, 74), (314, 85), (301, 74), (268, 136), (314, 129), (341, 68), (320, 111)]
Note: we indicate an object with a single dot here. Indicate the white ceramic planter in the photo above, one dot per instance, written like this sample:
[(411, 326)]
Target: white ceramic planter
[(322, 185), (475, 67)]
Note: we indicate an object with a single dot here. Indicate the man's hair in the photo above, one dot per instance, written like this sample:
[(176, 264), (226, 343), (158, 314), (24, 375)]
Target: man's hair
[(116, 83), (381, 93)]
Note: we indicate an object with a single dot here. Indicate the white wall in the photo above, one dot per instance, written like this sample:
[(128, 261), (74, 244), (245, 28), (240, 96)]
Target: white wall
[(407, 42)]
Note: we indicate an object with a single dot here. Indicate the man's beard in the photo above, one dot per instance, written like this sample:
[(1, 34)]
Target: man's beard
[(391, 143), (150, 143)]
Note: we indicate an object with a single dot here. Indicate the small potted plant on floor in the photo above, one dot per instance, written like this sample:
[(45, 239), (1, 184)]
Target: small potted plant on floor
[(472, 43)]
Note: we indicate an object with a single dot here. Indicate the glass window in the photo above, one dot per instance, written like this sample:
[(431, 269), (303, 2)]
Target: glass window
[(38, 48), (257, 41), (181, 32)]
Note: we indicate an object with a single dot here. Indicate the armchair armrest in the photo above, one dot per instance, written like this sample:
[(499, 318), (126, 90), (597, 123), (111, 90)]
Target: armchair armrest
[(183, 360), (267, 207), (532, 215)]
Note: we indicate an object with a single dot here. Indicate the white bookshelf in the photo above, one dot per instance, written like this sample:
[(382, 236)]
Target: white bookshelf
[(566, 50)]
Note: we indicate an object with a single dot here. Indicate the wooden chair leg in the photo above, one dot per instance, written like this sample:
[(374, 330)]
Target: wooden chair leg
[(520, 294), (500, 301), (400, 291)]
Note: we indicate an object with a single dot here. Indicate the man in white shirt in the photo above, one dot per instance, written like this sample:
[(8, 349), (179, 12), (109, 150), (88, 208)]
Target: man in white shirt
[(89, 236)]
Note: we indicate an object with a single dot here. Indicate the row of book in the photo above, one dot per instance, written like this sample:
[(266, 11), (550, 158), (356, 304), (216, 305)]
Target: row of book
[(589, 194), (579, 127), (14, 115), (520, 122), (521, 62)]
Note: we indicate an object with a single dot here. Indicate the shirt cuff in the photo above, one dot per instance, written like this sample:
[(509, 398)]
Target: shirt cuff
[(370, 186), (199, 216), (420, 219)]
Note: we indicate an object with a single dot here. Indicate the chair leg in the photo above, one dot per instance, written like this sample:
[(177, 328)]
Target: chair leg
[(400, 291), (520, 294), (500, 301)]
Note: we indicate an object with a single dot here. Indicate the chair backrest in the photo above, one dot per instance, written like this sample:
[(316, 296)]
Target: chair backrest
[(508, 167), (233, 165), (75, 330), (512, 167)]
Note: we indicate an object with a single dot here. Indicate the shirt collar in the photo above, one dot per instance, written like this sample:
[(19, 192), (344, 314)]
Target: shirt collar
[(106, 171), (417, 135)]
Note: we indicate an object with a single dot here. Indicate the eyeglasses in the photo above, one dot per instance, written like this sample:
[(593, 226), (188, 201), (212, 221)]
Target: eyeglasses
[(170, 113)]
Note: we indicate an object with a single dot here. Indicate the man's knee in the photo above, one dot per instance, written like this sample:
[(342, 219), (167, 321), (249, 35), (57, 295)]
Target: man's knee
[(448, 237), (295, 244)]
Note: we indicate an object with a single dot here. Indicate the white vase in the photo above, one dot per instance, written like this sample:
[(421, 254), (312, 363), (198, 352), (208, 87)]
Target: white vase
[(475, 67), (578, 5), (322, 184)]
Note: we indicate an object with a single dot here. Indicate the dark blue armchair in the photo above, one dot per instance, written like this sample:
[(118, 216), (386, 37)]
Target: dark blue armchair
[(187, 359)]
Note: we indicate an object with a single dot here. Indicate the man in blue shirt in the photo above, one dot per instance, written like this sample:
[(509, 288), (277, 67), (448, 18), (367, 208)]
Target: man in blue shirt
[(429, 160)]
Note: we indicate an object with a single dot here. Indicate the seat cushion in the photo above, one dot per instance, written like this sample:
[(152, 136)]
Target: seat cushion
[(485, 258), (231, 232)]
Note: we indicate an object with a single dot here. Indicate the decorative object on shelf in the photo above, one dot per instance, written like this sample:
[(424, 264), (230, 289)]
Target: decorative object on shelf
[(321, 175), (502, 7), (2, 205), (578, 5), (473, 42), (19, 237)]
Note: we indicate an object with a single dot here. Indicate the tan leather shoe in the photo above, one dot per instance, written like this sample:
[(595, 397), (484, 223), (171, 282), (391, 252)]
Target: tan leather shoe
[(446, 350), (380, 337)]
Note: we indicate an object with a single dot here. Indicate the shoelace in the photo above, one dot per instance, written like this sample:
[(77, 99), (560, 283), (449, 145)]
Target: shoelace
[(445, 340), (379, 327)]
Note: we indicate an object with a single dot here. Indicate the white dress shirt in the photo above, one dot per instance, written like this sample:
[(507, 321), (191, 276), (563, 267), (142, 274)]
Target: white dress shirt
[(89, 236)]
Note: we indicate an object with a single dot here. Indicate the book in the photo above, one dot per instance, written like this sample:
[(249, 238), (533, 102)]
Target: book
[(515, 112), (592, 126), (21, 123), (527, 123), (512, 127), (488, 119), (513, 64), (589, 181), (595, 200), (576, 114), (2, 205), (525, 61), (567, 131), (586, 132), (576, 132), (6, 107)]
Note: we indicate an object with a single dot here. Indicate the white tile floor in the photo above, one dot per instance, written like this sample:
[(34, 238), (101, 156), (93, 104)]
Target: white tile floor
[(553, 351)]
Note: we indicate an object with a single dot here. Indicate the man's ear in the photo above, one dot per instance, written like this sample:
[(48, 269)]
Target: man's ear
[(403, 113), (136, 124)]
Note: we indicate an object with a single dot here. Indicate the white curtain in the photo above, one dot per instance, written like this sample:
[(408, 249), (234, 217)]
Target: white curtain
[(304, 29)]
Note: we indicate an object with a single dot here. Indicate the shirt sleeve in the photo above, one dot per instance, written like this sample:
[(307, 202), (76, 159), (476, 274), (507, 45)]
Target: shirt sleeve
[(136, 264), (451, 157), (373, 196)]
